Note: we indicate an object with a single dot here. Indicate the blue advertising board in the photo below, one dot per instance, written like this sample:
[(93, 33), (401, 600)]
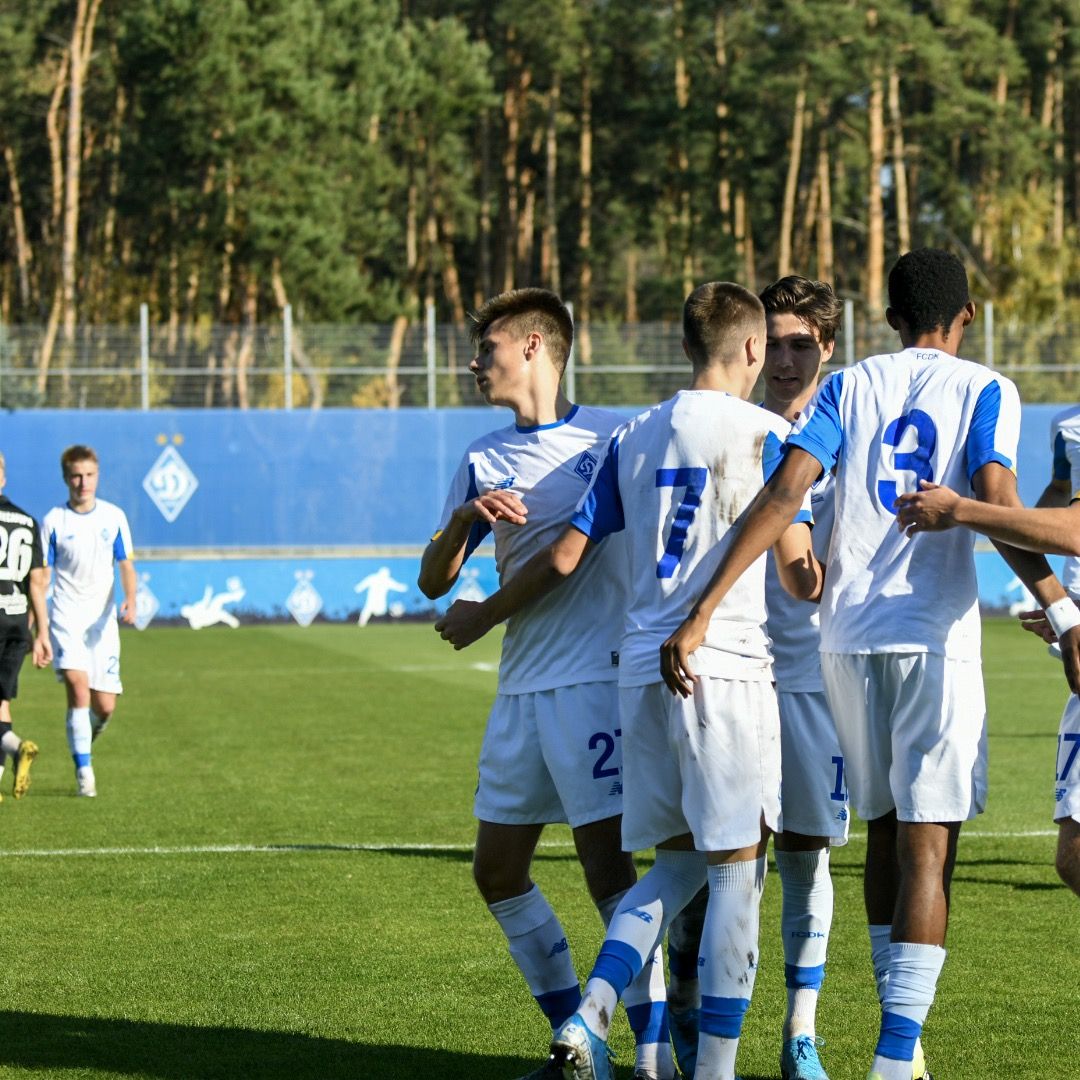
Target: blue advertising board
[(273, 514)]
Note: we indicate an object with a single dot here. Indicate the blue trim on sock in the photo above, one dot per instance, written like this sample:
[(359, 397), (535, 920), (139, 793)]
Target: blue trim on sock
[(804, 978), (81, 760), (683, 965), (649, 1022), (723, 1016), (618, 965), (559, 1005), (897, 1038)]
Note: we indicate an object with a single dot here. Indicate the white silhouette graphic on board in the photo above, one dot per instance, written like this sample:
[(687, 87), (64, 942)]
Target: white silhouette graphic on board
[(146, 603), (1027, 602), (469, 586), (210, 610), (378, 586)]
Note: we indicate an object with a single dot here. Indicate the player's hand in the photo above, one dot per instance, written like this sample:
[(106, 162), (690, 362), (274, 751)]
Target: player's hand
[(1070, 657), (127, 612), (493, 506), (931, 509), (675, 655), (42, 652), (1035, 622), (463, 623)]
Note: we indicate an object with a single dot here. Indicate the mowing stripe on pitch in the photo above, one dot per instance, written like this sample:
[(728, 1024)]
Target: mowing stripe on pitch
[(403, 848)]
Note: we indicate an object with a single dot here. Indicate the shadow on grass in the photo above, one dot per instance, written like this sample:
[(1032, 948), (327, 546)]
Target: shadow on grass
[(39, 1042)]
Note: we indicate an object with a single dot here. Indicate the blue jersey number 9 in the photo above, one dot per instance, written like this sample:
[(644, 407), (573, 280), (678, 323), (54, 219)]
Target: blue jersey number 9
[(915, 461)]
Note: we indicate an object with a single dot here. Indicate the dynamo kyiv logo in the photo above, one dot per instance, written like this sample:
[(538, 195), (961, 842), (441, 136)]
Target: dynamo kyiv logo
[(170, 483), (586, 466)]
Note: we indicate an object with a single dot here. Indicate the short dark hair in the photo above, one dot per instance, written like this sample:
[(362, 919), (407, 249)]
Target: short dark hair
[(74, 454), (529, 311), (717, 318), (928, 288), (814, 302)]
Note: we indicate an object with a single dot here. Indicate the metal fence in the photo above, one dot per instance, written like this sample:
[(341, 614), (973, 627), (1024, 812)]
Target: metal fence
[(425, 365)]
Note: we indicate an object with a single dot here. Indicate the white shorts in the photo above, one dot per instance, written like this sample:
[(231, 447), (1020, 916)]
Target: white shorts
[(813, 792), (708, 765), (94, 649), (554, 755), (912, 727), (1067, 774)]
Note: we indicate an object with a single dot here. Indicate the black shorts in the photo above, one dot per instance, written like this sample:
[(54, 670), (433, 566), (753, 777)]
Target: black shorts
[(12, 651)]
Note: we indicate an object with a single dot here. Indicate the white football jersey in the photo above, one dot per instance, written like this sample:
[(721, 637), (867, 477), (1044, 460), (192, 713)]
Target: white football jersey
[(794, 625), (676, 478), (1065, 446), (885, 424), (572, 635), (82, 550)]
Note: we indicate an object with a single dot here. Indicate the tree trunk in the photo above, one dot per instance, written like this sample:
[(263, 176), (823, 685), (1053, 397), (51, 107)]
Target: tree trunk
[(825, 268), (899, 163), (486, 278), (875, 224), (584, 299), (24, 254), (412, 298), (246, 353), (791, 184), (82, 37), (224, 292), (549, 247), (723, 135), (103, 272), (281, 298), (682, 102), (56, 157), (513, 108), (744, 239)]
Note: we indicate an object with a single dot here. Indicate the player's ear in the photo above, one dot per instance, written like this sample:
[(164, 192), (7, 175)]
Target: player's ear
[(968, 312), (893, 319)]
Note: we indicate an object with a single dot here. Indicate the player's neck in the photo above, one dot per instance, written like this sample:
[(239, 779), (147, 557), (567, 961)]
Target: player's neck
[(790, 410), (82, 507), (724, 379), (541, 408)]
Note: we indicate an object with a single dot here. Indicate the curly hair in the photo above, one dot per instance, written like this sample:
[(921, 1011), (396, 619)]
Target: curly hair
[(814, 302), (928, 288)]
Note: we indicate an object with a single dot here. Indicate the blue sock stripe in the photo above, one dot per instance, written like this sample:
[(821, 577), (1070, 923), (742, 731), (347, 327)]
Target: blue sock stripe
[(804, 978), (559, 1005), (649, 1022), (897, 1038), (81, 760), (723, 1016), (683, 965), (618, 965)]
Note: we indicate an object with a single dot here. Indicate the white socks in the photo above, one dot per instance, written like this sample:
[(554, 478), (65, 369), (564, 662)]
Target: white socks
[(79, 736), (729, 951), (538, 946), (805, 923)]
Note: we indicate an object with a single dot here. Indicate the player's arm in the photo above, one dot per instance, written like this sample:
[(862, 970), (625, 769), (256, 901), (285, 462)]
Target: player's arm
[(129, 582), (800, 571), (39, 584), (445, 555), (467, 621), (1053, 530), (769, 516)]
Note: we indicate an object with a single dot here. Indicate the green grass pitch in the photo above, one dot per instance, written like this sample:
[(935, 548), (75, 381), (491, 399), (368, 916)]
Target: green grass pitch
[(274, 880)]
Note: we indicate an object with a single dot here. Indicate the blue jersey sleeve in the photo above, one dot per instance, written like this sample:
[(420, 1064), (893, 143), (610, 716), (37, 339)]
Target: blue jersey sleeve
[(479, 529), (982, 441), (772, 455), (1062, 468), (820, 431), (600, 512), (118, 549)]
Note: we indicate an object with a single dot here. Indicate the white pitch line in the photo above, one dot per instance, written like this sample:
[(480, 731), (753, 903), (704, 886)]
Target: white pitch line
[(402, 848)]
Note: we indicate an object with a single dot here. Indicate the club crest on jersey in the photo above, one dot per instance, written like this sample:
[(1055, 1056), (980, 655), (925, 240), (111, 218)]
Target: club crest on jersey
[(504, 483), (586, 466)]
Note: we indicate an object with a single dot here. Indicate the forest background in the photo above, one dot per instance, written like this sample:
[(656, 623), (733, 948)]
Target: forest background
[(363, 159)]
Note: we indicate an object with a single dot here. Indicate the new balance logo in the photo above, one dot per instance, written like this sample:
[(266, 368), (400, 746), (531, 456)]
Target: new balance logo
[(506, 482), (616, 788), (1059, 794), (805, 934), (558, 947), (644, 916)]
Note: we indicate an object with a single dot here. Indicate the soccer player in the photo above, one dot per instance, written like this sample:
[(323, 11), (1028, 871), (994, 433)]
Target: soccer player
[(1053, 527), (702, 776), (551, 751), (900, 631), (85, 539), (23, 581)]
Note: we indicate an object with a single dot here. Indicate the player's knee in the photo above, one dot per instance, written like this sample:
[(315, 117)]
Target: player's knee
[(497, 882), (1067, 864)]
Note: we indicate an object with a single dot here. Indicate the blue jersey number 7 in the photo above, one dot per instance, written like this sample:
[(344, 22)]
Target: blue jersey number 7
[(694, 480)]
